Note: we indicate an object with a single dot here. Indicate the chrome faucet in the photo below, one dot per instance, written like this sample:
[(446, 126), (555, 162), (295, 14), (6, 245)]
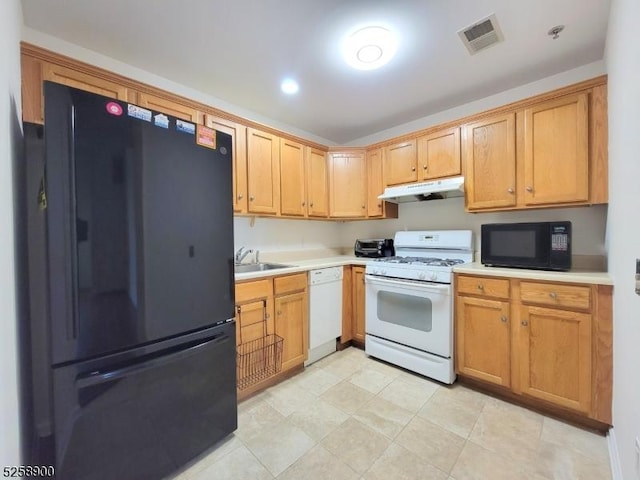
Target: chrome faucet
[(241, 254)]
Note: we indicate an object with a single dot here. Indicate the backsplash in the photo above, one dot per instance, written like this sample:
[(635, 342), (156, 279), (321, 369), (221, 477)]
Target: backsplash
[(307, 237), (281, 235), (588, 223)]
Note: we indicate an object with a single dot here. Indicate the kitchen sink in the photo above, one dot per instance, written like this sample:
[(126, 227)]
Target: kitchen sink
[(258, 267)]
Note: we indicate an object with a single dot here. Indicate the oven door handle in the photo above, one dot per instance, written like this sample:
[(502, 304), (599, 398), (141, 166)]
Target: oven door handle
[(374, 280)]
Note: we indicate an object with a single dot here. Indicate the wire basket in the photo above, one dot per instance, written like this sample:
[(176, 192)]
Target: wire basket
[(258, 360)]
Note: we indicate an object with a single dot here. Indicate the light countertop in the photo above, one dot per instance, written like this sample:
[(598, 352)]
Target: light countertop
[(304, 266), (573, 276)]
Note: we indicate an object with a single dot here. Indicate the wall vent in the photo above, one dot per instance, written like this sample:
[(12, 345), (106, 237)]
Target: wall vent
[(482, 34)]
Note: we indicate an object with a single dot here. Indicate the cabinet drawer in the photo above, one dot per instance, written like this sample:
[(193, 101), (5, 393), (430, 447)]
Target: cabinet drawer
[(250, 290), (556, 295), (488, 287), (290, 283)]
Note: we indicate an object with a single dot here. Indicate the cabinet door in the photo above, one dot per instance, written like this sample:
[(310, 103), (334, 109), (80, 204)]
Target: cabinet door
[(251, 320), (292, 324), (489, 154), (263, 171), (37, 72), (32, 98), (400, 163), (347, 184), (317, 183), (169, 107), (556, 151), (439, 154), (555, 363), (82, 81), (292, 191), (375, 184), (358, 299), (239, 144), (483, 340)]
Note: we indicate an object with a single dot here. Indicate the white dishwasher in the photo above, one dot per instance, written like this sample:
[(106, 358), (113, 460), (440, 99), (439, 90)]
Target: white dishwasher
[(325, 311)]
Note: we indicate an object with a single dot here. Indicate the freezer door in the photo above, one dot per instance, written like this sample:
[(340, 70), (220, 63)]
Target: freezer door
[(145, 418), (139, 225)]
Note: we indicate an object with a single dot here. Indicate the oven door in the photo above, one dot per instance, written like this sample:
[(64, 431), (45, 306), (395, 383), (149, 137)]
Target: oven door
[(416, 314)]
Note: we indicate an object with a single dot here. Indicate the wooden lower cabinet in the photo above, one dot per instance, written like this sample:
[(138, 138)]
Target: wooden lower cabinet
[(358, 304), (276, 305), (292, 318), (555, 350), (548, 342), (483, 339)]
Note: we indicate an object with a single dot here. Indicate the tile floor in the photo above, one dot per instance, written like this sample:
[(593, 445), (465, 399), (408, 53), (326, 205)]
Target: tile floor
[(349, 416)]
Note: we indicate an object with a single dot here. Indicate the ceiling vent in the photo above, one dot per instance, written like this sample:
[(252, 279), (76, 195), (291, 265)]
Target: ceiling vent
[(481, 35)]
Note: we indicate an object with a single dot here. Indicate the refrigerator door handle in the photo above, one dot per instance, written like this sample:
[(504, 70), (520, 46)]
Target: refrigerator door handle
[(97, 378)]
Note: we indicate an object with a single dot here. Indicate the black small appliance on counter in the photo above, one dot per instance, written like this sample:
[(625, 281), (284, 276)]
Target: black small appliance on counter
[(538, 245), (374, 247)]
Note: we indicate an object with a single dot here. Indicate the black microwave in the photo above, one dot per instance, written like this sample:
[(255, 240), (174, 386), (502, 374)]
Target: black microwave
[(539, 245)]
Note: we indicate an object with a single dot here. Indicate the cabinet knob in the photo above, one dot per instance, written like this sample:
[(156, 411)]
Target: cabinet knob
[(510, 190), (424, 167), (553, 295), (364, 206), (304, 203), (266, 315), (529, 188), (311, 204), (279, 312), (524, 323), (413, 169), (251, 198), (480, 286), (503, 319), (240, 196), (379, 205)]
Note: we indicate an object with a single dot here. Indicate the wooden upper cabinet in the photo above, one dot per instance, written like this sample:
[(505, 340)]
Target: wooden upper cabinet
[(35, 71), (556, 151), (556, 350), (347, 184), (239, 145), (292, 179), (400, 163), (32, 98), (169, 107), (82, 81), (489, 157), (263, 172), (317, 183), (375, 184), (439, 154)]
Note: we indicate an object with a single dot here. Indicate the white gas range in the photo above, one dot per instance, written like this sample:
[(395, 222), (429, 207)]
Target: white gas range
[(409, 301)]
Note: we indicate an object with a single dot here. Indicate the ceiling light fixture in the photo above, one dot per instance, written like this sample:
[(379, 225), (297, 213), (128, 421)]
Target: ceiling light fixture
[(289, 86), (555, 31), (369, 48)]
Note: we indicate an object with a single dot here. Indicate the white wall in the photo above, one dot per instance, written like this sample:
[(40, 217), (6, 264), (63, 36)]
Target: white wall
[(10, 101), (272, 235), (623, 242), (85, 55), (588, 222), (575, 75)]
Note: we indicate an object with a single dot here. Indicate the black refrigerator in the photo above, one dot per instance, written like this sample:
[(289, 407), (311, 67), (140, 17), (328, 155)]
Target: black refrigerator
[(130, 345)]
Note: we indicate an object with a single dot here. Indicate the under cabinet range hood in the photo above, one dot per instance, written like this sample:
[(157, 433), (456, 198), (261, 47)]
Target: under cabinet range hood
[(417, 192)]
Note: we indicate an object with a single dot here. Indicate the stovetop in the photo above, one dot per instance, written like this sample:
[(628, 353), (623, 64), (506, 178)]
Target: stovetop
[(432, 261), (425, 256)]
